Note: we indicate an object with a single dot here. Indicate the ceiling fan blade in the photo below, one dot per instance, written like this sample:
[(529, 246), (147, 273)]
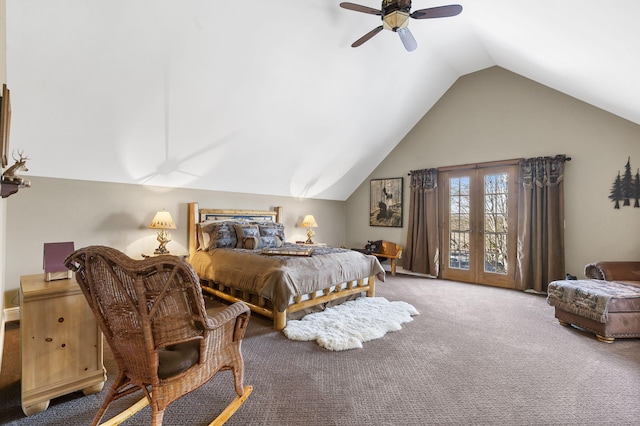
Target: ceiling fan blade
[(367, 36), (359, 8), (407, 39), (437, 12)]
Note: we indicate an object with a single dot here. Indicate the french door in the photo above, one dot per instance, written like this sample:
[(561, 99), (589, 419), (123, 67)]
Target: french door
[(480, 221)]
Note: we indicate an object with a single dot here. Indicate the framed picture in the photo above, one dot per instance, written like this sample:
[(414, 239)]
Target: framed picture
[(5, 125), (385, 207)]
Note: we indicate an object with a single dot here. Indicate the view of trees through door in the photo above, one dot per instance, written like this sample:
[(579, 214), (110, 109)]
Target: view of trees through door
[(480, 219)]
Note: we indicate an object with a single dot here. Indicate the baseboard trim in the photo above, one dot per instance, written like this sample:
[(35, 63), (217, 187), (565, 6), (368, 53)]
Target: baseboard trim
[(12, 314)]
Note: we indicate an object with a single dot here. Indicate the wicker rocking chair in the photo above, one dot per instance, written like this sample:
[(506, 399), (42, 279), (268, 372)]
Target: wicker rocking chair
[(153, 317)]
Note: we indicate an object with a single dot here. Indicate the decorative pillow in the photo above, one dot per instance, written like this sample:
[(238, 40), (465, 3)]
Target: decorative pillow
[(202, 238), (220, 234), (203, 233), (254, 243), (268, 229), (271, 241), (205, 241), (245, 230)]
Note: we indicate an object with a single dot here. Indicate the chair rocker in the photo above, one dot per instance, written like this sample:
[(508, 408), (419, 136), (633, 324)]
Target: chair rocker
[(153, 316)]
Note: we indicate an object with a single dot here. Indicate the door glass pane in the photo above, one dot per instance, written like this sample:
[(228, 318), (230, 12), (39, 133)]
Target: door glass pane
[(459, 223), (495, 223)]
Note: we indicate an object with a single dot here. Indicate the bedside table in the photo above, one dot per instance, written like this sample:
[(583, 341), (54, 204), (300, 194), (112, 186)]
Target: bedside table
[(312, 244), (61, 344), (183, 256)]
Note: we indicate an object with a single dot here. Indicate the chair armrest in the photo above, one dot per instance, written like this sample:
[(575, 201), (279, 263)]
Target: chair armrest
[(227, 314), (613, 271), (390, 250)]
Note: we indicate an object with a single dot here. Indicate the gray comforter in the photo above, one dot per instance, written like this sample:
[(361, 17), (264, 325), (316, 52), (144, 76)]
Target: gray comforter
[(278, 278)]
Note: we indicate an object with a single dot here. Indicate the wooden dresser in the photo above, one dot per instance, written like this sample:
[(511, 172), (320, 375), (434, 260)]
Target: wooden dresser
[(61, 344)]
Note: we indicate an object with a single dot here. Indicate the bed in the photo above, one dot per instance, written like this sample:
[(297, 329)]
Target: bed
[(242, 255)]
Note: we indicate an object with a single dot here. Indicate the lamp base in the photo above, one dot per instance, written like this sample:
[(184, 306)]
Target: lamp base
[(310, 235), (163, 238)]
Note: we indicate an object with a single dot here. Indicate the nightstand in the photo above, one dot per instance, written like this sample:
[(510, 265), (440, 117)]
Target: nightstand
[(312, 244), (61, 344), (183, 256)]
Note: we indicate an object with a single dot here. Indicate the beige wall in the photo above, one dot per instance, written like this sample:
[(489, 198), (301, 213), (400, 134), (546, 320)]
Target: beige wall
[(489, 115), (494, 114), (117, 215)]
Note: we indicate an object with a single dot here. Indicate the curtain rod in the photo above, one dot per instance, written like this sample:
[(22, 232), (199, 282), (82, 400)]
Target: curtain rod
[(488, 164)]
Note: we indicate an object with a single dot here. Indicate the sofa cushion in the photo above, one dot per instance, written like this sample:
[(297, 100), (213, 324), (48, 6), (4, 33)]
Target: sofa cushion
[(177, 358)]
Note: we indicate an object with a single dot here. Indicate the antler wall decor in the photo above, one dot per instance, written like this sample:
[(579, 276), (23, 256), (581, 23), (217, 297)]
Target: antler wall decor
[(13, 181)]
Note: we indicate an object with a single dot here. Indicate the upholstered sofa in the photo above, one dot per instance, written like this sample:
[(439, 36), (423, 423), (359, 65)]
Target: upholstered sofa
[(611, 287), (626, 272)]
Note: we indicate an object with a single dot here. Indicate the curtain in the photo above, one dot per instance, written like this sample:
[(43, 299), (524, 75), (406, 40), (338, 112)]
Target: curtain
[(540, 257), (421, 252)]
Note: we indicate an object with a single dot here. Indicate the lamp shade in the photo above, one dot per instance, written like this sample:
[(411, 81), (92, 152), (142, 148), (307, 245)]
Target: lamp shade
[(309, 222), (162, 220)]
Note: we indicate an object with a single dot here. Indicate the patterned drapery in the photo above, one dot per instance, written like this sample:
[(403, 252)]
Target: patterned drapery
[(421, 251), (541, 256)]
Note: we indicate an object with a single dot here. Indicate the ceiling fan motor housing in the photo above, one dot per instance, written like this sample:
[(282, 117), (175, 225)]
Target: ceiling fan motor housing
[(395, 14)]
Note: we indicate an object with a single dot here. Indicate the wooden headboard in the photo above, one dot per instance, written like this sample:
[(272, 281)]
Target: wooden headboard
[(197, 215)]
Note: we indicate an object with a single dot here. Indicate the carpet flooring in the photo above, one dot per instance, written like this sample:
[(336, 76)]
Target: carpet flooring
[(475, 355)]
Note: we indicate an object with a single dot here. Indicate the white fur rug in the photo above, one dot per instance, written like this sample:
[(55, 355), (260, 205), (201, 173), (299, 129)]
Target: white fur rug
[(348, 325)]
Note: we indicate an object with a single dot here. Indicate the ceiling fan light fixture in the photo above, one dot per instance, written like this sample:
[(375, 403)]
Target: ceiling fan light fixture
[(407, 39), (395, 20)]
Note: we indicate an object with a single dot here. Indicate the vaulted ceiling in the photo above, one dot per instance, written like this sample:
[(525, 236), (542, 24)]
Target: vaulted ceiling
[(268, 97)]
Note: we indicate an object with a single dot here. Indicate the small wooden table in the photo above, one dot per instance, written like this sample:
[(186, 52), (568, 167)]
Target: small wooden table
[(61, 344)]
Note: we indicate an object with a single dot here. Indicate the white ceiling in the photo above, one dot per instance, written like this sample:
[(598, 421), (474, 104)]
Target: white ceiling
[(268, 97)]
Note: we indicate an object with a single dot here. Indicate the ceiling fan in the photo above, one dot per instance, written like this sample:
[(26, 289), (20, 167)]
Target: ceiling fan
[(395, 16)]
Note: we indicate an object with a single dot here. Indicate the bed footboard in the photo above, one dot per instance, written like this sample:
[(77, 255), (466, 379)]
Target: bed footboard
[(262, 306)]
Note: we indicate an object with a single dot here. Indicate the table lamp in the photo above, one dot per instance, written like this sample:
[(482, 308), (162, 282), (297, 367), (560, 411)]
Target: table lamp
[(162, 221), (309, 222)]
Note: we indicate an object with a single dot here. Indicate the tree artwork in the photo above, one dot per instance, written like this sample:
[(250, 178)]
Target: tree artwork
[(636, 189), (627, 183), (616, 192), (626, 188)]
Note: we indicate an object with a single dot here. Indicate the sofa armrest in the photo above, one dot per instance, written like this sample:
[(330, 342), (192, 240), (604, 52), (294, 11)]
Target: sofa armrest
[(613, 271)]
